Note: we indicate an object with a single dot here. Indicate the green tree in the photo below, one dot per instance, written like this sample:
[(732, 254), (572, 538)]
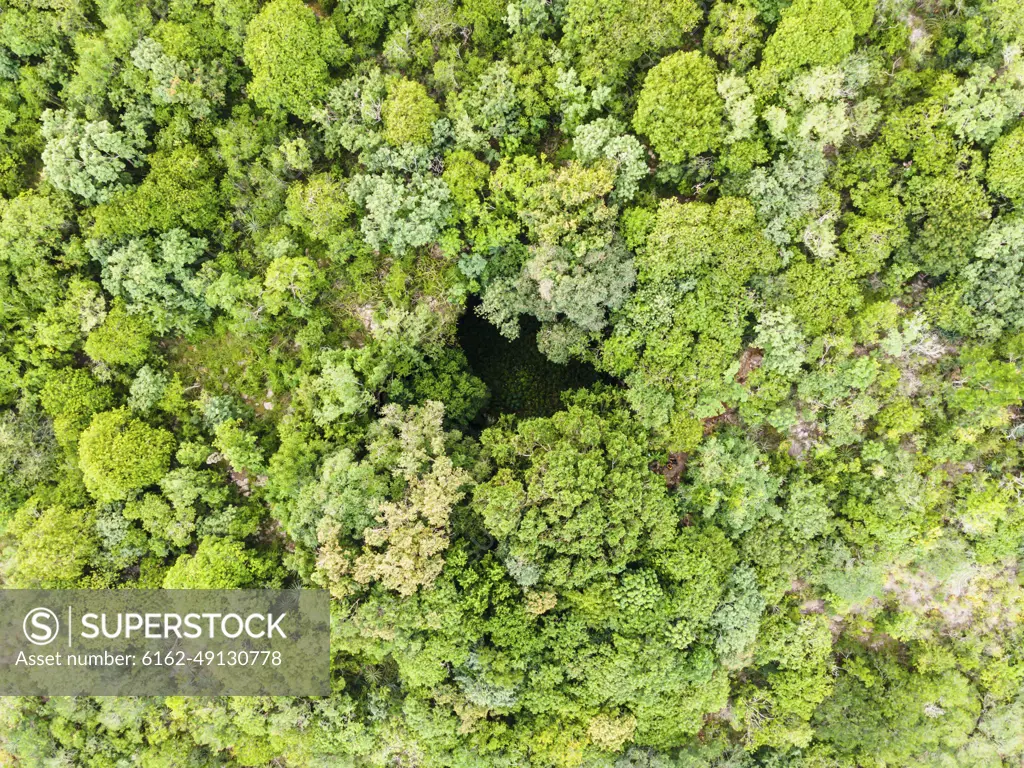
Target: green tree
[(320, 208), (983, 105), (198, 87), (569, 291), (89, 158), (180, 191), (794, 657), (54, 547), (239, 448), (782, 342), (71, 397), (28, 457), (401, 214), (1007, 21), (609, 37), (679, 108), (683, 328), (155, 277), (408, 113), (995, 279), (604, 140), (1006, 167), (32, 229), (289, 52), (731, 485), (576, 268), (292, 283), (405, 550), (217, 564), (930, 712), (163, 522), (121, 339), (120, 455), (572, 500), (811, 33), (734, 33)]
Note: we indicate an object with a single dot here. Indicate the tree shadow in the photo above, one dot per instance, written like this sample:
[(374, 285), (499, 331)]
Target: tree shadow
[(521, 380)]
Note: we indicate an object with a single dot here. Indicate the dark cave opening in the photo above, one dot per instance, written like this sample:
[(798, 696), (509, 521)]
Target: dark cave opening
[(521, 380)]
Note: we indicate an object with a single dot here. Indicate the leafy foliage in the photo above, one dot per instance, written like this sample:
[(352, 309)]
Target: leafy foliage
[(156, 278), (810, 33), (679, 108), (608, 38), (289, 53), (574, 511), (120, 455), (643, 381)]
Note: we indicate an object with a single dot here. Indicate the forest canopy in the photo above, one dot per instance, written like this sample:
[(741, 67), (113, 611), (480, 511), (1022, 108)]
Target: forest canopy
[(644, 381)]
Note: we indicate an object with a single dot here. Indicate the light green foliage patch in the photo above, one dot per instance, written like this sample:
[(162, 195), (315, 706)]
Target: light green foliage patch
[(289, 51), (679, 108), (609, 37), (120, 455)]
